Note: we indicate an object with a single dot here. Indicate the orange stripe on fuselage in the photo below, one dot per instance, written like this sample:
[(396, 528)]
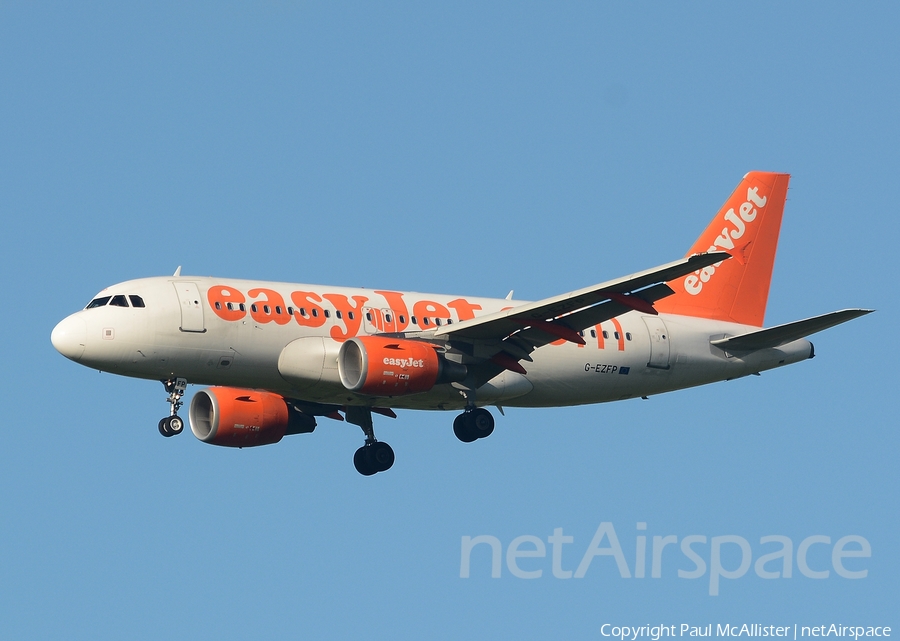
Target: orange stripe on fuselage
[(620, 333)]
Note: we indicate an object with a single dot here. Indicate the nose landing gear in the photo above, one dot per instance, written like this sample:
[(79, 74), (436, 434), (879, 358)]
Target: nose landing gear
[(173, 424)]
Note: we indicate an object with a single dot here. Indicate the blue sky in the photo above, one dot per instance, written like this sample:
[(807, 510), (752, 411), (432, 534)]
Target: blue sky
[(459, 149)]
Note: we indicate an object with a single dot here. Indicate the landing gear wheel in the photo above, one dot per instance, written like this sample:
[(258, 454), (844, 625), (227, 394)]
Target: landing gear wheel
[(462, 427), (382, 456), (171, 426), (473, 424), (363, 462), (374, 456), (482, 422), (176, 425)]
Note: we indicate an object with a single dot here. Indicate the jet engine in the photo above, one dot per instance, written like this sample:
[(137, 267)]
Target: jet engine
[(382, 366), (244, 418)]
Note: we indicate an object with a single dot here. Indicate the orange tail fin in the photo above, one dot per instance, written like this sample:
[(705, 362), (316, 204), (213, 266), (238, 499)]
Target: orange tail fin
[(746, 227)]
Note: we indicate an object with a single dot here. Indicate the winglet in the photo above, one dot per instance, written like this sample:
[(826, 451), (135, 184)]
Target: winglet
[(177, 272)]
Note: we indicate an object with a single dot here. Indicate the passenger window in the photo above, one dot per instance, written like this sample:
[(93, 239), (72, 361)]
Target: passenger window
[(581, 333), (605, 334), (218, 305), (266, 309), (315, 313), (593, 333), (350, 315), (627, 336), (425, 321), (230, 306), (290, 311), (327, 314), (303, 312), (338, 314), (136, 301), (119, 301), (616, 334), (278, 309), (414, 321), (402, 319), (242, 307), (369, 316), (449, 321), (387, 318), (437, 321), (98, 302), (253, 307)]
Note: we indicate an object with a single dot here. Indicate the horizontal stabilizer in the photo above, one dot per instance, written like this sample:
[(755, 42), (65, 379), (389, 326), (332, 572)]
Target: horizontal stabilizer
[(783, 334)]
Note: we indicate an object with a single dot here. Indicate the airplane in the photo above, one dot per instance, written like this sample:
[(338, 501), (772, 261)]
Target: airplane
[(279, 355)]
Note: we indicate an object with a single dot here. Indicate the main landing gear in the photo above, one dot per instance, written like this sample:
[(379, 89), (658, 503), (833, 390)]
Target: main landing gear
[(374, 456), (173, 424), (474, 423)]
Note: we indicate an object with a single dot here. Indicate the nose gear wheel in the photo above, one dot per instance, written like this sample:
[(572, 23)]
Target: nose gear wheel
[(171, 426)]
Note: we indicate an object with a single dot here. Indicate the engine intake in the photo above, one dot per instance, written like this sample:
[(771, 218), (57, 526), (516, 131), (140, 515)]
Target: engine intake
[(382, 366), (244, 418)]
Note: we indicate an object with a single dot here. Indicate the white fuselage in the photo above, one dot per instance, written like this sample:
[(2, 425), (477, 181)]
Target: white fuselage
[(237, 333)]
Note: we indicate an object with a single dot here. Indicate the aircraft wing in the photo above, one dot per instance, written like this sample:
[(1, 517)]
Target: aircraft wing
[(625, 291), (508, 336), (783, 334)]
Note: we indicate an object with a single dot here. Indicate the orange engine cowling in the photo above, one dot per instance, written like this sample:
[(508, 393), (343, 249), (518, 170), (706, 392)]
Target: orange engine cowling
[(244, 418), (393, 367)]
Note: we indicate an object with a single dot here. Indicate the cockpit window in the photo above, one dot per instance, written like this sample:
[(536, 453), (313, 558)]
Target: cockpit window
[(98, 302), (119, 300)]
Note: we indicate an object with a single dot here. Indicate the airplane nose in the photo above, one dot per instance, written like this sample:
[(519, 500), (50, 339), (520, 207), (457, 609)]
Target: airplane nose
[(69, 336)]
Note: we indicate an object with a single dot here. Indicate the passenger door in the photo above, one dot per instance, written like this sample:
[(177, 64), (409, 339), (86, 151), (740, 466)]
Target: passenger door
[(191, 309), (659, 342)]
